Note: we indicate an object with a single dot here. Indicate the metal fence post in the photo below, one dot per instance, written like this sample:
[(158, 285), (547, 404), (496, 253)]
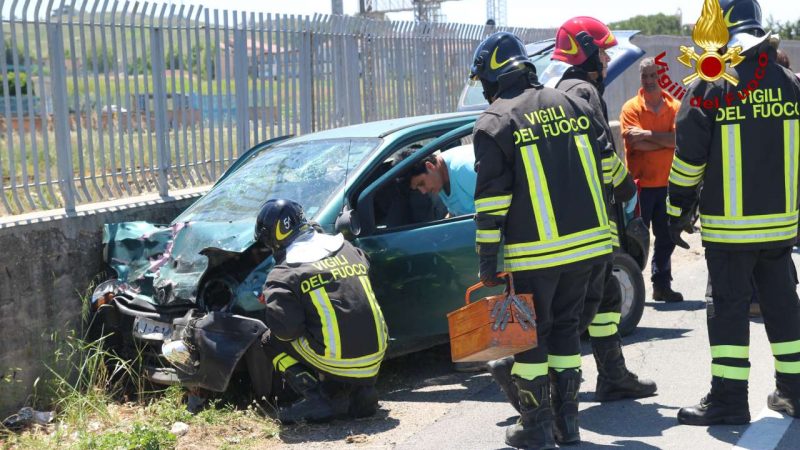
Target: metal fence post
[(160, 106), (58, 75), (240, 76), (306, 72)]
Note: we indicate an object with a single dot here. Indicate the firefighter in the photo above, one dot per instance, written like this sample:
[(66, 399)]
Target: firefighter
[(327, 335), (539, 189), (748, 163), (602, 310)]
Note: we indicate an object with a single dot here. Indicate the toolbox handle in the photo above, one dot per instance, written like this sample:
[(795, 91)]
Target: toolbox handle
[(479, 284)]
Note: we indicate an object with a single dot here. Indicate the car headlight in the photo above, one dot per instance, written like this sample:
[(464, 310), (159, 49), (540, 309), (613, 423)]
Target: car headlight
[(180, 355), (104, 292)]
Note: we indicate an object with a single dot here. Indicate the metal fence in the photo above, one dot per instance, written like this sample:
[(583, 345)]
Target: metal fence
[(108, 99)]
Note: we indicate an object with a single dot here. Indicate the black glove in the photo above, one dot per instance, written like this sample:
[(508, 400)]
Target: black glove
[(488, 271), (677, 225)]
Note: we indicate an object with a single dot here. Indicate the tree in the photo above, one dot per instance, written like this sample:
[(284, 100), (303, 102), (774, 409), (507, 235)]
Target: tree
[(653, 24), (13, 80), (103, 60), (9, 53), (786, 30)]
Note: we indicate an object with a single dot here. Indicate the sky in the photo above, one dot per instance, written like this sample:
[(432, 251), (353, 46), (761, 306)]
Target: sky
[(521, 13)]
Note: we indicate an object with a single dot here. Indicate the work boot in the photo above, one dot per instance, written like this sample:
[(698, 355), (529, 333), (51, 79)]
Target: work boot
[(666, 294), (726, 403), (783, 400), (614, 380), (363, 402), (534, 430), (564, 388), (316, 405), (501, 372)]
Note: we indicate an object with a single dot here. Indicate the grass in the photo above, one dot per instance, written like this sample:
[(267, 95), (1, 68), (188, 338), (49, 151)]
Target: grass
[(90, 389)]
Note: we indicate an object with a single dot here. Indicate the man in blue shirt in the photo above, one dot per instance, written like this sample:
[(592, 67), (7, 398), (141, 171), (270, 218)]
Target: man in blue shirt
[(450, 174)]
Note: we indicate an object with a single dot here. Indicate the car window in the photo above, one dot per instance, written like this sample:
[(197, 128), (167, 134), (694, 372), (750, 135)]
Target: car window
[(474, 94), (307, 172)]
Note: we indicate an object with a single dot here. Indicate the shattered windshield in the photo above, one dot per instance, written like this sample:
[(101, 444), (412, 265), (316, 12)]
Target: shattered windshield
[(306, 172)]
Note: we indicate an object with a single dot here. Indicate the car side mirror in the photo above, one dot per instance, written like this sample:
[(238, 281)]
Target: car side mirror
[(348, 224)]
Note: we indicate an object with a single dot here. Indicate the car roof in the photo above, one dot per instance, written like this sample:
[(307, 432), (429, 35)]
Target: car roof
[(381, 128)]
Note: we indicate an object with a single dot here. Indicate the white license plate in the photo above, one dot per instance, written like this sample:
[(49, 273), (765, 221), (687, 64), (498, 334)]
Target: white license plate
[(144, 328)]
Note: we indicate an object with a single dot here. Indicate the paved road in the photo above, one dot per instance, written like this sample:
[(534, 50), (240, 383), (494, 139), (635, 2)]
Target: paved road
[(425, 405)]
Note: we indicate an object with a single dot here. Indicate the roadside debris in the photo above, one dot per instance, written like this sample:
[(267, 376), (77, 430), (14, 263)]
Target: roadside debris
[(27, 416)]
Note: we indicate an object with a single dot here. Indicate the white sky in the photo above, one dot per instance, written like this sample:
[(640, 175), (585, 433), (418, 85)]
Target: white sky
[(521, 13)]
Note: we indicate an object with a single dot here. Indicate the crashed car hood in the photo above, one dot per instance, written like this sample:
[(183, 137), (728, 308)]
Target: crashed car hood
[(164, 263)]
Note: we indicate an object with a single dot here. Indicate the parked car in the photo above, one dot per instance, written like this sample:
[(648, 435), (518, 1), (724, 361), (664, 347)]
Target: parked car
[(199, 279)]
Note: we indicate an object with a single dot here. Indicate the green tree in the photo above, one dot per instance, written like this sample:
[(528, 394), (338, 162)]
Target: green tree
[(9, 53), (653, 24), (13, 80), (786, 30), (103, 60)]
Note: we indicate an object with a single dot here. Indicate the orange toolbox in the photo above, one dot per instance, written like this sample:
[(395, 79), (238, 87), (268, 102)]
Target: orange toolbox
[(492, 327)]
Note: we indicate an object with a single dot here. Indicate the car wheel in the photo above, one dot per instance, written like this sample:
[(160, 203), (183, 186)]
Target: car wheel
[(631, 284)]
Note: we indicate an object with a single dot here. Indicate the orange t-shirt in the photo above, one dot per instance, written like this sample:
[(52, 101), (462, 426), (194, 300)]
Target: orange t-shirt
[(650, 167)]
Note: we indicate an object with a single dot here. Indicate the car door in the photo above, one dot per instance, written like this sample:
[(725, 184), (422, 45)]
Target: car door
[(419, 271)]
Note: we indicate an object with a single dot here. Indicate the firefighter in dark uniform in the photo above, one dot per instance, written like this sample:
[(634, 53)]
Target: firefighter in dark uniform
[(602, 310), (539, 191), (746, 155), (327, 335)]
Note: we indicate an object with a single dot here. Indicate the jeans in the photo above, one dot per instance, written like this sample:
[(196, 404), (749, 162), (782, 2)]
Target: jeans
[(653, 206)]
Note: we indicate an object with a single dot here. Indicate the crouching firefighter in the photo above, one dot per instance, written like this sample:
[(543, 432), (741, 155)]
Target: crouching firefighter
[(538, 154), (327, 336)]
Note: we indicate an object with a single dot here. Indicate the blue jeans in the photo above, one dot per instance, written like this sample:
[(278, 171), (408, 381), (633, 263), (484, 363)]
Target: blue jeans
[(653, 206)]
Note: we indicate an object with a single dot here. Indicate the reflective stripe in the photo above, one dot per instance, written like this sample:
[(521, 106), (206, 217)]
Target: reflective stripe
[(730, 372), (680, 180), (590, 169), (787, 366), (564, 362), (687, 169), (377, 314), (570, 240), (730, 351), (608, 317), (614, 171), (487, 236), (732, 170), (598, 331), (619, 175), (774, 220), (529, 371), (748, 236), (612, 226), (673, 211), (540, 194), (330, 325), (790, 150), (542, 262), (492, 203), (785, 348), (283, 361), (365, 371)]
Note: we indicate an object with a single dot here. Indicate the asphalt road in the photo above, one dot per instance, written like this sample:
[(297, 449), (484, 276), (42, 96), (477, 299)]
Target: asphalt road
[(426, 405)]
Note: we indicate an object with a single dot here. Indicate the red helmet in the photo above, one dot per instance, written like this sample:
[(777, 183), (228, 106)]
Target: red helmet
[(579, 37)]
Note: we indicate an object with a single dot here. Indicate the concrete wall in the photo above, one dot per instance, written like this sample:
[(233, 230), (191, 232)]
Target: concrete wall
[(46, 265), (627, 85)]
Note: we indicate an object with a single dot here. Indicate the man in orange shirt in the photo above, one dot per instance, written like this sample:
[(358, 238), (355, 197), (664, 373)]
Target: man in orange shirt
[(648, 129)]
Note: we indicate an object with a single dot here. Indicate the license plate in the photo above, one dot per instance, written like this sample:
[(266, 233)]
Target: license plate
[(144, 328)]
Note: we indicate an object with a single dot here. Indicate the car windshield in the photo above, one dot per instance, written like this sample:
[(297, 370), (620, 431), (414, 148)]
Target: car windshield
[(307, 172)]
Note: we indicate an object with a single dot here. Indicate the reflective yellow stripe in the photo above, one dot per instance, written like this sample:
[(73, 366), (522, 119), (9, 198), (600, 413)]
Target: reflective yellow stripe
[(564, 362), (732, 170), (599, 331), (673, 211), (785, 348), (790, 151), (690, 170), (612, 226), (330, 325), (363, 371), (487, 236), (570, 240), (492, 203), (730, 351), (540, 194), (787, 366), (614, 170), (590, 169), (749, 236), (607, 317), (283, 361), (680, 180), (377, 314), (619, 175), (730, 372), (559, 259), (529, 371), (755, 221)]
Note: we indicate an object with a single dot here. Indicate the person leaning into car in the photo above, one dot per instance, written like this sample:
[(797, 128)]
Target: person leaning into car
[(538, 154), (327, 336)]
